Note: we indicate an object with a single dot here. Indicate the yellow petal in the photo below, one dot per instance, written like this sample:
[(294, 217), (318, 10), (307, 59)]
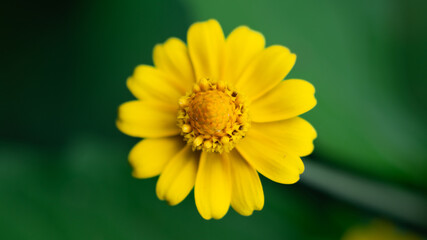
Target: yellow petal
[(241, 46), (265, 71), (205, 45), (149, 83), (293, 135), (289, 99), (177, 179), (147, 119), (266, 153), (149, 157), (213, 186), (172, 58), (247, 194)]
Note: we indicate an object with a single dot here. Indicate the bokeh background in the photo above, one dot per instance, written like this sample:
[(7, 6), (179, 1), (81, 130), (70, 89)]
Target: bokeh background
[(63, 164)]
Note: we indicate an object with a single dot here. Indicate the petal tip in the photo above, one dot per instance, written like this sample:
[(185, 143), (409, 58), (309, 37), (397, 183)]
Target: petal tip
[(136, 174)]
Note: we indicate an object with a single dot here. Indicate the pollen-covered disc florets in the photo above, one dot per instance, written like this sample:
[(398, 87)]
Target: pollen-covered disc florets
[(212, 117)]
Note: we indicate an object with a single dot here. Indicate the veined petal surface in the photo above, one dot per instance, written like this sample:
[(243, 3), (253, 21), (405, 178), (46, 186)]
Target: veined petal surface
[(213, 186), (289, 99), (265, 71), (247, 194), (268, 155), (206, 45), (177, 179), (147, 119), (295, 134), (172, 58), (241, 46), (149, 83), (149, 157)]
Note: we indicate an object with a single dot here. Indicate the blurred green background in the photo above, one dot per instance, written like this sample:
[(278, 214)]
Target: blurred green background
[(63, 164)]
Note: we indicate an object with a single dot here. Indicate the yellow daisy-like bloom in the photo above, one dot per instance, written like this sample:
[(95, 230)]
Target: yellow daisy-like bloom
[(214, 113), (378, 230)]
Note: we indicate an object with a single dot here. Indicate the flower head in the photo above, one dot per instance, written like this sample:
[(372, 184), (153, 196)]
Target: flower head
[(214, 113), (378, 230)]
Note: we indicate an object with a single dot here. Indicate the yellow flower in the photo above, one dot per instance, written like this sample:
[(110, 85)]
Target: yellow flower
[(378, 230), (213, 114)]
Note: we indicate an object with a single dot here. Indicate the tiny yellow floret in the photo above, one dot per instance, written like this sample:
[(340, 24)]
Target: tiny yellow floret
[(186, 128)]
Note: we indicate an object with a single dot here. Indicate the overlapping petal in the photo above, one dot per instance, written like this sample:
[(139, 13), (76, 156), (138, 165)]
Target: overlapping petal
[(268, 148), (149, 83), (206, 45), (172, 58), (247, 194), (241, 46), (147, 119), (295, 134), (177, 179), (149, 157), (213, 186), (289, 99), (265, 71)]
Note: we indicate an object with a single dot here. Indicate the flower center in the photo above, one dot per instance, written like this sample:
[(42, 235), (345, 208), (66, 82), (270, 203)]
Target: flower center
[(212, 117), (210, 112)]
